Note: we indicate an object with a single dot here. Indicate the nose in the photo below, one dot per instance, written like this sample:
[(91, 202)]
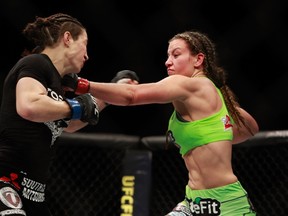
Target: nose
[(86, 57), (168, 62)]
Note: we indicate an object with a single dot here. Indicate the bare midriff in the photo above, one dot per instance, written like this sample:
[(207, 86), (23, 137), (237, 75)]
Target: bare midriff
[(209, 166)]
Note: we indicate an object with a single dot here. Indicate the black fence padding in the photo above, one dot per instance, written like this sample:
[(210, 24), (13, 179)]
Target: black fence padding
[(136, 188), (264, 138), (87, 171), (103, 140)]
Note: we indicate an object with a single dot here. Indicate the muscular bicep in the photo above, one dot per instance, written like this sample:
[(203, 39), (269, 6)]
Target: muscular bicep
[(33, 103), (28, 90)]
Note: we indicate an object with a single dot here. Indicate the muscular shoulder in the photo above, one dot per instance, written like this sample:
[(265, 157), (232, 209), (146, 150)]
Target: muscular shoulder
[(201, 95), (190, 82), (190, 86)]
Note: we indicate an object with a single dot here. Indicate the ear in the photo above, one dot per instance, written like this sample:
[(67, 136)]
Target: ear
[(199, 59), (67, 38)]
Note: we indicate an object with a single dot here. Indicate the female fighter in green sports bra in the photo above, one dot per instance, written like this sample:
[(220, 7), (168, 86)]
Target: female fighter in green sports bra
[(206, 121)]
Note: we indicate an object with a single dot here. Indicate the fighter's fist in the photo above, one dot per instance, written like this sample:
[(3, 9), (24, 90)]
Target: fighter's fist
[(125, 74), (85, 108), (77, 84)]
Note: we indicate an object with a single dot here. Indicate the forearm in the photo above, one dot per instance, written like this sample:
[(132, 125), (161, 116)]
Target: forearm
[(105, 94), (75, 125), (43, 109), (111, 93), (241, 133)]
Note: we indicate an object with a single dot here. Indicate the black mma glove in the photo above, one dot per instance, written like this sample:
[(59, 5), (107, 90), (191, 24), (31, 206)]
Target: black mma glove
[(78, 84), (125, 74), (85, 108)]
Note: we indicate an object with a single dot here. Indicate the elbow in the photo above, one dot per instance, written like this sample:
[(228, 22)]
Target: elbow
[(130, 95), (242, 134), (70, 130), (127, 99), (75, 125), (26, 112), (254, 127)]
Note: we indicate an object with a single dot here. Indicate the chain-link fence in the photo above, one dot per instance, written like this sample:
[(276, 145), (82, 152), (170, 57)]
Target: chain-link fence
[(86, 176)]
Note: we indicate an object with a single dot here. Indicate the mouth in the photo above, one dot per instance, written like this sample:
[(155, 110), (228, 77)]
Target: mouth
[(169, 71)]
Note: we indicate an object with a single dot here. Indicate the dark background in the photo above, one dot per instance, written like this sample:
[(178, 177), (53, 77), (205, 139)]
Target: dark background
[(251, 39)]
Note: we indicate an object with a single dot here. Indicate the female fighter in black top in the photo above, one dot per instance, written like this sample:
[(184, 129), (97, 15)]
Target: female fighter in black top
[(34, 110)]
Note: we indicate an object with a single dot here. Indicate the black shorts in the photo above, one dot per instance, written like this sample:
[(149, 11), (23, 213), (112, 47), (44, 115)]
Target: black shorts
[(16, 201)]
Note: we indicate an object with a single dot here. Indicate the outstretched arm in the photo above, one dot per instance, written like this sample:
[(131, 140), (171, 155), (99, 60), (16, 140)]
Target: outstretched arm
[(167, 90), (78, 85)]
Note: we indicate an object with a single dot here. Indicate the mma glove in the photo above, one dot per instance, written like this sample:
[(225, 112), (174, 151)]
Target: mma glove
[(82, 86), (78, 84), (125, 74), (85, 108)]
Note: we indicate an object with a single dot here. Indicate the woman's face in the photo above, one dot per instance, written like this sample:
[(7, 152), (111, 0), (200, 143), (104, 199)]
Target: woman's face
[(179, 61), (78, 52)]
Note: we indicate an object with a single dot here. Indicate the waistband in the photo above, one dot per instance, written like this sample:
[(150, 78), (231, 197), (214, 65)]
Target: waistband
[(222, 194)]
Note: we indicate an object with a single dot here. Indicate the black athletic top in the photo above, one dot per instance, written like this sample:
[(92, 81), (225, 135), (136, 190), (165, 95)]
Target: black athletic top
[(27, 146)]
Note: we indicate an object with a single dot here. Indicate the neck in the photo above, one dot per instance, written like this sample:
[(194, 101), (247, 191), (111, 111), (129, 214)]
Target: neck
[(198, 74)]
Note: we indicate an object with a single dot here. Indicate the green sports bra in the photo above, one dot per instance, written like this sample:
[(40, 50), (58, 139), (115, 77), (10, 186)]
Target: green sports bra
[(189, 135)]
